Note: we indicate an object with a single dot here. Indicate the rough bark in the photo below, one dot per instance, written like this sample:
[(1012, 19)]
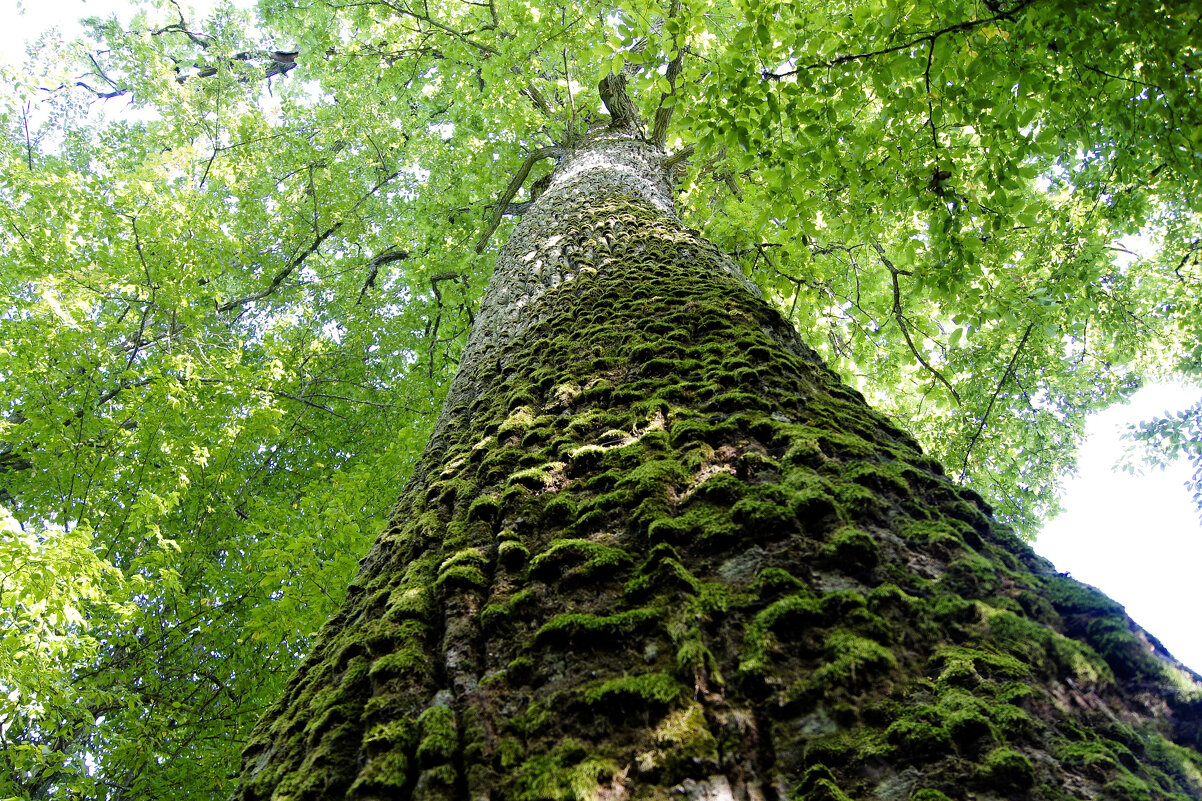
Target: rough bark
[(655, 549)]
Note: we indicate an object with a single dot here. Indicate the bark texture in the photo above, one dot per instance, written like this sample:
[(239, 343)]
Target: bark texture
[(657, 550)]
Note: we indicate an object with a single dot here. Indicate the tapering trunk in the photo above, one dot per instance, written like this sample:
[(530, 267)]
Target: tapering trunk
[(656, 549)]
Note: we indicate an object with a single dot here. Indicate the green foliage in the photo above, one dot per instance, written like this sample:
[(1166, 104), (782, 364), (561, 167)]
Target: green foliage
[(1162, 439), (230, 314)]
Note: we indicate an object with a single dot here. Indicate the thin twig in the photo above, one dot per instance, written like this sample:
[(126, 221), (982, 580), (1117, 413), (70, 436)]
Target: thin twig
[(901, 322), (957, 28), (300, 259)]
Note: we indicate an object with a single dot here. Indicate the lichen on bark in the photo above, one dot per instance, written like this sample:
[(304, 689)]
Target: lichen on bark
[(656, 549)]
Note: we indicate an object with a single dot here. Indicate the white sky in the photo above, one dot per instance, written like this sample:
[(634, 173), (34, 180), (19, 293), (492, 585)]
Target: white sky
[(1137, 538)]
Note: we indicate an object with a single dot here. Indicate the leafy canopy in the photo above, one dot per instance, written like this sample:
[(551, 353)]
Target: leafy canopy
[(237, 261)]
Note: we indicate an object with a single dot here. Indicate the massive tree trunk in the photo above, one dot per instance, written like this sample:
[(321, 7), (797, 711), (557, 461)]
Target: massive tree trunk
[(656, 549)]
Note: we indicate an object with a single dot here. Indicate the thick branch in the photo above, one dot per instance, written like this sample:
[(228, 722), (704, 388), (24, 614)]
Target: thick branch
[(680, 155), (512, 189), (373, 268), (536, 97), (278, 63), (663, 113), (624, 115)]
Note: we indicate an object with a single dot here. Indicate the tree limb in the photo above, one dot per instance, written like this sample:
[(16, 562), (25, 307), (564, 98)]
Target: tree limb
[(300, 259), (623, 113), (373, 268), (959, 27), (663, 114), (514, 185), (680, 155), (901, 322), (1009, 369)]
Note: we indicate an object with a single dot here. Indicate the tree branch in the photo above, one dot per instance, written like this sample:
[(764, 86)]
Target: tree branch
[(680, 155), (300, 259), (623, 113), (959, 27), (373, 268), (514, 185), (663, 114), (901, 322), (1009, 368)]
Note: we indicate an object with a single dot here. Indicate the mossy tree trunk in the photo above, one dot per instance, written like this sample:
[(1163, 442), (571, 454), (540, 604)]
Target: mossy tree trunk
[(657, 550)]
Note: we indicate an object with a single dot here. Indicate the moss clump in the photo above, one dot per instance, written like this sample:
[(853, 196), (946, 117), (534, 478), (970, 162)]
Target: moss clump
[(497, 611), (888, 598), (813, 508), (648, 688), (439, 735), (880, 478), (682, 740), (852, 662), (1007, 770), (773, 581), (1099, 760), (520, 419), (928, 794), (389, 736), (690, 430), (409, 658), (590, 559), (962, 666), (559, 511), (1129, 788), (1071, 597), (972, 576), (539, 477), (759, 640), (512, 554), (720, 488), (465, 576), (664, 574), (852, 548), (1127, 656), (918, 740), (584, 459), (765, 513), (408, 601), (818, 784), (595, 630), (384, 773), (695, 658), (568, 773), (464, 556), (484, 508), (1038, 644)]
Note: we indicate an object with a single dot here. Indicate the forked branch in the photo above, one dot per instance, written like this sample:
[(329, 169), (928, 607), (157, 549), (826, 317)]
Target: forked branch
[(901, 323)]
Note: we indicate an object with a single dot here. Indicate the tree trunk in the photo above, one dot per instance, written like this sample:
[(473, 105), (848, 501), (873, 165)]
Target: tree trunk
[(655, 549)]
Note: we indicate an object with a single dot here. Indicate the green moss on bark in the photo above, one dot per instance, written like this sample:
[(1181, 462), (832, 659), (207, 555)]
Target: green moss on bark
[(661, 544)]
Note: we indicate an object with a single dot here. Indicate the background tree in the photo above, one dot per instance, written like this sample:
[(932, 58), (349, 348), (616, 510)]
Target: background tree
[(231, 316)]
